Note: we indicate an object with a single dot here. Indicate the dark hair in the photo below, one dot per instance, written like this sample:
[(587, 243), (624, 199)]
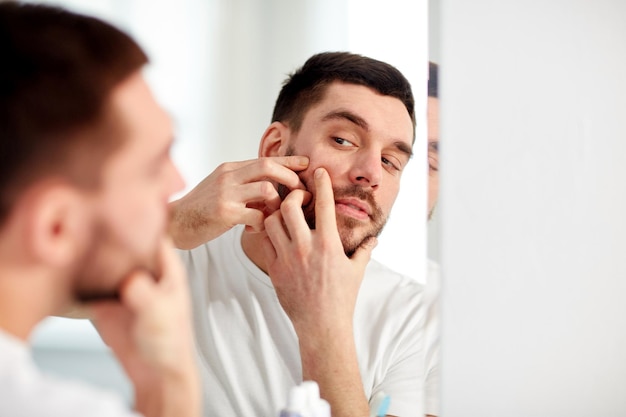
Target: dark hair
[(306, 86), (433, 79), (58, 71)]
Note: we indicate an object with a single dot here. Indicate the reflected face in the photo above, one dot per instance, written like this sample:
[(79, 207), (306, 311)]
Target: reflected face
[(130, 206), (364, 141), (433, 153)]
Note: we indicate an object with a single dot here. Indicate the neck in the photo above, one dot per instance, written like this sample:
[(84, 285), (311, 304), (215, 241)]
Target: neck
[(25, 300), (251, 242)]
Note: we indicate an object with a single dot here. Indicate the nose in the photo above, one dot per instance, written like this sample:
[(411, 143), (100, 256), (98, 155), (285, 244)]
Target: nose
[(175, 180), (367, 169)]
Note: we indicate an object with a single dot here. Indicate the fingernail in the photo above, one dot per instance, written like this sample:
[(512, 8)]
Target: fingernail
[(319, 172), (303, 160)]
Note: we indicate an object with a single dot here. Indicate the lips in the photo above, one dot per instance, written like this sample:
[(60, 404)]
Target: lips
[(353, 207)]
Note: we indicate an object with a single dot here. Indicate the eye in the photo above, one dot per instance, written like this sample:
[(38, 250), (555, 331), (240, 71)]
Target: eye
[(342, 142), (391, 164), (433, 164), (433, 157)]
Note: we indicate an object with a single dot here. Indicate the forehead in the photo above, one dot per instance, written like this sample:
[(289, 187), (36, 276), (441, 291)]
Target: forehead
[(384, 115), (140, 114), (145, 132), (433, 119), (145, 126)]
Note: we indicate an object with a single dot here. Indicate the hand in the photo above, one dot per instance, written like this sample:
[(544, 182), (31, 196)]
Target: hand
[(150, 332), (316, 283), (317, 286), (235, 193)]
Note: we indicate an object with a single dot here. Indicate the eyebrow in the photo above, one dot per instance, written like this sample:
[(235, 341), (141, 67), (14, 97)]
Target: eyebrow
[(359, 121), (349, 116)]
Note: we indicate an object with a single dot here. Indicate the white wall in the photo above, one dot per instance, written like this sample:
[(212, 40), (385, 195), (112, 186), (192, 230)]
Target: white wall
[(533, 207)]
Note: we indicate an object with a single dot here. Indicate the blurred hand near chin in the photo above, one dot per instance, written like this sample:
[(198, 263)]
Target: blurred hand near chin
[(150, 332)]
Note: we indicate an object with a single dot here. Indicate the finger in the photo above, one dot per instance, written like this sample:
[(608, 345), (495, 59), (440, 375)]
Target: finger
[(254, 218), (293, 162), (235, 165), (105, 311), (324, 201), (111, 320), (259, 192), (170, 269), (138, 290), (363, 253), (279, 169), (293, 217), (276, 232), (268, 250)]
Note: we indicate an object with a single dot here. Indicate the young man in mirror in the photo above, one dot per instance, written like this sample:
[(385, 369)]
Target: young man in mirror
[(85, 179), (278, 250), (432, 290)]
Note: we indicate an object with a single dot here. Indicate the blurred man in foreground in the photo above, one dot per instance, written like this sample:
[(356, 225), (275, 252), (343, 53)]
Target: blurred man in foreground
[(85, 178)]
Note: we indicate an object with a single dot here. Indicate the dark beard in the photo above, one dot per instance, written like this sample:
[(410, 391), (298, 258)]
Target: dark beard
[(99, 274), (349, 224)]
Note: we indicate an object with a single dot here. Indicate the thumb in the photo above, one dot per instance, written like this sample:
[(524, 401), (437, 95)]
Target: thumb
[(137, 290), (363, 253)]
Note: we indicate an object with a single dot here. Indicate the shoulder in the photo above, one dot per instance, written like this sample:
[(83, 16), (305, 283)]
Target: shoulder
[(21, 383), (200, 257), (391, 295), (384, 280)]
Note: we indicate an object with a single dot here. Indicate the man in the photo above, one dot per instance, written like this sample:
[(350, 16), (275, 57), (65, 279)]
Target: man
[(433, 137), (294, 296), (431, 400), (85, 177)]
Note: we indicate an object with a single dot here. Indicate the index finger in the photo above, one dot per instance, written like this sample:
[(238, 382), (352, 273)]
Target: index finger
[(324, 201), (281, 169), (170, 267), (293, 162)]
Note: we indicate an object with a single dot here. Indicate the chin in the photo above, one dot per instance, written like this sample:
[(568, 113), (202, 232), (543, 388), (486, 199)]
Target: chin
[(350, 242), (93, 296)]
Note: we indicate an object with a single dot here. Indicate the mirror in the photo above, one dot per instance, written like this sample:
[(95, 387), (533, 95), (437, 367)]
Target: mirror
[(218, 66)]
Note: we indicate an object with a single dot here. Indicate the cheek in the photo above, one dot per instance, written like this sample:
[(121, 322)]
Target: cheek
[(389, 199), (137, 221), (433, 189)]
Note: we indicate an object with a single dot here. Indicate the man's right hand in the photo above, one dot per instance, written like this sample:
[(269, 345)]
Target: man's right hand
[(235, 193)]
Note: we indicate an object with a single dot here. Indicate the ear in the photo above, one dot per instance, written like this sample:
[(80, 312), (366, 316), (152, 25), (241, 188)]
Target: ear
[(275, 140), (57, 224)]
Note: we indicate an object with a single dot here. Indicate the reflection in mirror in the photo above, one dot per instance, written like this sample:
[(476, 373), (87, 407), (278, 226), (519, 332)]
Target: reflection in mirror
[(433, 276), (218, 69), (433, 288)]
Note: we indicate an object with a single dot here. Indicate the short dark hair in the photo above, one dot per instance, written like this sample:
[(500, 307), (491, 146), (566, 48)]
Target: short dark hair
[(58, 71), (307, 85), (433, 79)]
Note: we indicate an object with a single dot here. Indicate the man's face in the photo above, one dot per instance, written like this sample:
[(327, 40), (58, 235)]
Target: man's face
[(433, 153), (130, 207), (364, 141)]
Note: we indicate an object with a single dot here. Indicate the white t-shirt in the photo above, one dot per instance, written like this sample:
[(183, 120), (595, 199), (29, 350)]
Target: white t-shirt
[(432, 384), (26, 392), (249, 350)]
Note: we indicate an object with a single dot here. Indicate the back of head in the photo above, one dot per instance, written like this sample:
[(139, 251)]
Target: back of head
[(307, 85), (433, 80), (58, 70)]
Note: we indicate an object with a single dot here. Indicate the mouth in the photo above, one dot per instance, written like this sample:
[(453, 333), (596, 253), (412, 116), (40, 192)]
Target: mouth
[(352, 207)]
